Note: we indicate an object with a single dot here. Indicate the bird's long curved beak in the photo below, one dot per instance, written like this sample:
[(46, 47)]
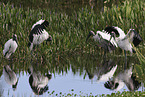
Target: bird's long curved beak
[(49, 39)]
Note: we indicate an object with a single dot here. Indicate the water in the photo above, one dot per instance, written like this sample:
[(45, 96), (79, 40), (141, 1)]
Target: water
[(85, 78)]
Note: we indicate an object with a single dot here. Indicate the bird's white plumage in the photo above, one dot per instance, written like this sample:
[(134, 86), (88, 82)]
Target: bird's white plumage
[(39, 38), (39, 80), (123, 40), (105, 36), (124, 78), (9, 75), (38, 34), (121, 32), (39, 22), (108, 75), (9, 48)]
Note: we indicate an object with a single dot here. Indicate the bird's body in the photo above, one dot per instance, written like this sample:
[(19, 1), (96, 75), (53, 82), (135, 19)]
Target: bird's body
[(124, 44), (39, 38), (38, 33), (10, 47), (122, 41), (123, 78), (105, 40), (10, 76), (113, 37), (104, 36), (38, 81)]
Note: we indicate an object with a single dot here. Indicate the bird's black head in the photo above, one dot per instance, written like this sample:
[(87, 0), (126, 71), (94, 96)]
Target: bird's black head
[(49, 38), (49, 76), (91, 33), (15, 85), (15, 38)]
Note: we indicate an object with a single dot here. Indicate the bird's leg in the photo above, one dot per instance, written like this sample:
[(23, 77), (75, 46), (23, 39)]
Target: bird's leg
[(37, 51), (125, 67), (43, 43), (125, 55), (104, 53), (11, 58), (105, 50)]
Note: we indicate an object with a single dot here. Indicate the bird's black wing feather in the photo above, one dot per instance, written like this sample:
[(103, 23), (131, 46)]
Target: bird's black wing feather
[(44, 24), (109, 29), (37, 30), (136, 39)]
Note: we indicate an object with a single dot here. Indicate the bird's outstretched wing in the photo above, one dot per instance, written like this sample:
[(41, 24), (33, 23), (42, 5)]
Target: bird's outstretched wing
[(110, 29), (38, 29), (134, 37)]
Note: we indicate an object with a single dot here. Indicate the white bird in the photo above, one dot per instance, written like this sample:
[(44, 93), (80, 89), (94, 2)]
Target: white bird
[(10, 47), (38, 81), (38, 34), (123, 78), (10, 76), (105, 40), (124, 41)]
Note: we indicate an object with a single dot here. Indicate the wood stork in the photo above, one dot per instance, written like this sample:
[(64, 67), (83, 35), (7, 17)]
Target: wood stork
[(38, 34), (10, 76), (10, 46), (106, 41), (103, 72), (123, 78), (122, 40), (38, 81)]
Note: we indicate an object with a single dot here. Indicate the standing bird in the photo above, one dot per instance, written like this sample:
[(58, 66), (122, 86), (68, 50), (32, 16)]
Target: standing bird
[(10, 46), (38, 34), (122, 40), (105, 40)]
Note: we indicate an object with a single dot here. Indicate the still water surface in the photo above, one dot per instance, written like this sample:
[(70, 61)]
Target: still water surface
[(89, 80)]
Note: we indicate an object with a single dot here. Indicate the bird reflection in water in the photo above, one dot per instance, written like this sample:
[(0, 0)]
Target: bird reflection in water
[(10, 76), (38, 81), (107, 72), (127, 78), (124, 77), (104, 71)]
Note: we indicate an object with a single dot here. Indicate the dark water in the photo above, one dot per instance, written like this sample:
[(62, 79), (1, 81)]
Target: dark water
[(82, 75)]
